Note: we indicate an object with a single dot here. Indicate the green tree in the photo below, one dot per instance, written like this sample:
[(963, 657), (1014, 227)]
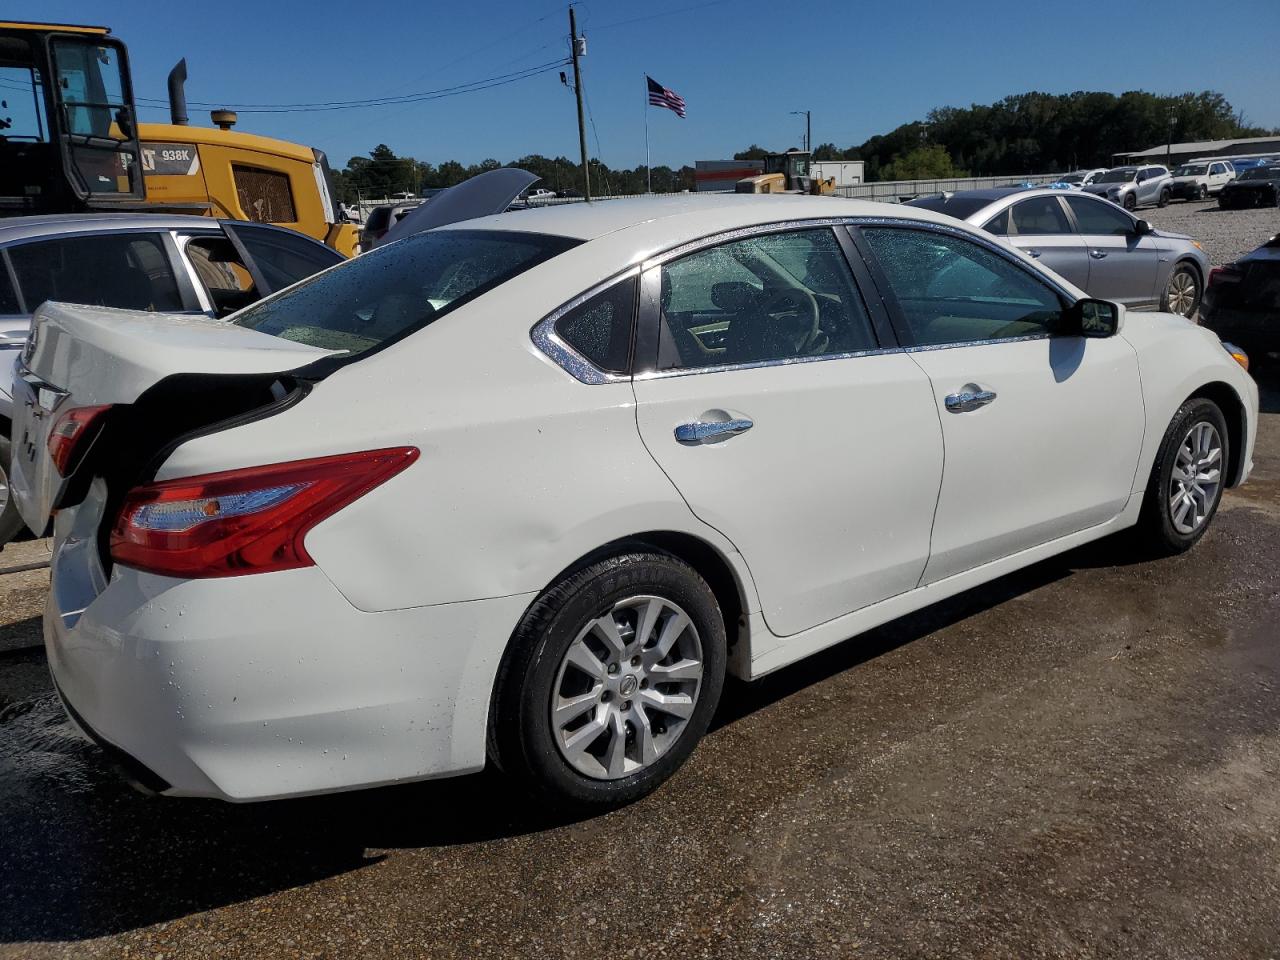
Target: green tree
[(930, 162)]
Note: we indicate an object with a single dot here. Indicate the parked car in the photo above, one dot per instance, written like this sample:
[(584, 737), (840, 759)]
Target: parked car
[(381, 219), (526, 488), (177, 264), (1242, 301), (1256, 187), (1201, 179), (1248, 163), (1099, 247), (1133, 187), (1078, 180)]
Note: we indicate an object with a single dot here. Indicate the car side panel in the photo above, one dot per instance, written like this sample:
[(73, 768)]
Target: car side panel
[(523, 469), (1175, 359)]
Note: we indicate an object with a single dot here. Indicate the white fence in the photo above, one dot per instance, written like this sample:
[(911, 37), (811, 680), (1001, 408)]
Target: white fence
[(887, 191), (896, 191)]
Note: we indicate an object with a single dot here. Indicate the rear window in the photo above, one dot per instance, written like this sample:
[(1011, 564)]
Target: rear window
[(959, 207), (383, 296)]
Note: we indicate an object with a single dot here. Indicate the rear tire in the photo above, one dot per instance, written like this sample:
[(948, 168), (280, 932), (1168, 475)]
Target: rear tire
[(10, 522), (1163, 199), (578, 713), (1187, 480)]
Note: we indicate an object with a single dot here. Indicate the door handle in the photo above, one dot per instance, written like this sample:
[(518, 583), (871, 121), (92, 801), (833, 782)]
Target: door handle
[(970, 397), (708, 431), (1035, 254), (1098, 254)]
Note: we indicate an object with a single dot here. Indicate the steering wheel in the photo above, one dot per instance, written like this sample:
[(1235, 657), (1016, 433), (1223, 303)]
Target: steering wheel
[(798, 317)]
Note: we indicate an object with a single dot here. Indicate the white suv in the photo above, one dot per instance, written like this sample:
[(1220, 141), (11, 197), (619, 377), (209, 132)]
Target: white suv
[(1200, 178)]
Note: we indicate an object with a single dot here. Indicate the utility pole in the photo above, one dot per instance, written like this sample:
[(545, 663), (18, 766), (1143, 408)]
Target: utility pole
[(577, 48), (808, 129)]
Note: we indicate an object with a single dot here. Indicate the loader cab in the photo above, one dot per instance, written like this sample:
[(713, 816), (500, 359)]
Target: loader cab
[(68, 129), (794, 165)]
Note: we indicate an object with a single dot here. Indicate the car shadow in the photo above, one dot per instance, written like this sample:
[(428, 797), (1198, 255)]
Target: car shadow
[(88, 857)]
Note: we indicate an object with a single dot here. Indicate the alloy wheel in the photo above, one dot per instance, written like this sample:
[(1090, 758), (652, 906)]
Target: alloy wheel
[(1182, 294), (4, 488), (1197, 478), (626, 687)]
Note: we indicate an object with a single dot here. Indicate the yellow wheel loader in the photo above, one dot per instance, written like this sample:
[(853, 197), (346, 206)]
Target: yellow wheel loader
[(786, 173), (70, 141)]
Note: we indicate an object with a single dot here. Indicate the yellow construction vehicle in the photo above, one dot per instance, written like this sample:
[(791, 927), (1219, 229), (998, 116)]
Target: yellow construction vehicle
[(70, 140), (786, 173)]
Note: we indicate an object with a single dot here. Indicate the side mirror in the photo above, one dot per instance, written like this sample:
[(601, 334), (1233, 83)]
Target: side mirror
[(1143, 227), (1095, 319)]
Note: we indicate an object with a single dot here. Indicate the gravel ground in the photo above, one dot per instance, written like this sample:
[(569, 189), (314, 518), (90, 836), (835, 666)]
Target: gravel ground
[(1227, 235)]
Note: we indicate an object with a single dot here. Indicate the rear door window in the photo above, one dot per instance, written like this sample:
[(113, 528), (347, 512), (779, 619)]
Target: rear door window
[(222, 273), (284, 258), (127, 270), (1040, 216), (385, 295)]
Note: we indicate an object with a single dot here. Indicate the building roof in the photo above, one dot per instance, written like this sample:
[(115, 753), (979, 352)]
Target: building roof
[(1198, 146)]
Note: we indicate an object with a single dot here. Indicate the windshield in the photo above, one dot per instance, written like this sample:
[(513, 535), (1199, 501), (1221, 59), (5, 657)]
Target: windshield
[(1122, 175), (385, 295), (1261, 173), (1191, 170)]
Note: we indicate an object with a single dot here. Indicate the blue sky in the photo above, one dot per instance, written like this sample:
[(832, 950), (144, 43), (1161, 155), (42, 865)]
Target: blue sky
[(742, 65)]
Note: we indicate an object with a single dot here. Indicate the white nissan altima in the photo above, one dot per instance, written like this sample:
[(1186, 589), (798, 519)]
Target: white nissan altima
[(525, 489)]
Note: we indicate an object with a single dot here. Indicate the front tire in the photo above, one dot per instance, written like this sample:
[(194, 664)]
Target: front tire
[(1183, 292), (1187, 479), (10, 521), (611, 679), (1130, 202), (1203, 193)]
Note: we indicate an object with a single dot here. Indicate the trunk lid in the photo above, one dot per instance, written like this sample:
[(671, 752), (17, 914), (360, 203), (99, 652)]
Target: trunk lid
[(81, 356)]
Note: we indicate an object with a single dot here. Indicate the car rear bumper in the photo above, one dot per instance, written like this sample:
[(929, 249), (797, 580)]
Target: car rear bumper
[(269, 685)]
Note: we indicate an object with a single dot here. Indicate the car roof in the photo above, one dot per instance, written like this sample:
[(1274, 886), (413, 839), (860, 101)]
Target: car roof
[(56, 224), (683, 216)]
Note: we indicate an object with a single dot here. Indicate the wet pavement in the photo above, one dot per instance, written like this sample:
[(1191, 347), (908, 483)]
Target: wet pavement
[(1079, 760)]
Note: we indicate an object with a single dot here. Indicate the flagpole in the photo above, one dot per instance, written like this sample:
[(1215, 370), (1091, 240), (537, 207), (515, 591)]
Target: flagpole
[(648, 171)]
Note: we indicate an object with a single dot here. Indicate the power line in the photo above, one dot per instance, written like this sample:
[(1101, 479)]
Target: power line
[(320, 106)]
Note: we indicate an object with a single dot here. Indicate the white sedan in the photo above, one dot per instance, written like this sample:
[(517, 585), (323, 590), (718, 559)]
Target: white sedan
[(525, 489)]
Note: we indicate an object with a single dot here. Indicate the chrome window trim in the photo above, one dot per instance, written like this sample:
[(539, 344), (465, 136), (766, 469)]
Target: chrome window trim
[(562, 353)]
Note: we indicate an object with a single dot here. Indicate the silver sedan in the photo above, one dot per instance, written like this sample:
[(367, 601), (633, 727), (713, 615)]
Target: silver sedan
[(1089, 241)]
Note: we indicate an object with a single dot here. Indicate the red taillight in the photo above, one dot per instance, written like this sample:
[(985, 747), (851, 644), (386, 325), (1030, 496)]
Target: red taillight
[(1228, 274), (244, 521), (68, 440)]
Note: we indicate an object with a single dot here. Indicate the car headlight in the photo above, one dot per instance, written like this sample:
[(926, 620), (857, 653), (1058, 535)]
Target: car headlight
[(1238, 355)]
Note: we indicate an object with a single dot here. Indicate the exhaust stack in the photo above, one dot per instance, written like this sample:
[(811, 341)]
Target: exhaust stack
[(177, 93)]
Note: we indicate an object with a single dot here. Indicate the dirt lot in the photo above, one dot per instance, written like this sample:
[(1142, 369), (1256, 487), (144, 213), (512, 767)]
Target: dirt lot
[(1226, 234), (1080, 760)]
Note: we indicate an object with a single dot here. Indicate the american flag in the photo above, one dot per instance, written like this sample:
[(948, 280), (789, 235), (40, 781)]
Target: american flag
[(660, 96)]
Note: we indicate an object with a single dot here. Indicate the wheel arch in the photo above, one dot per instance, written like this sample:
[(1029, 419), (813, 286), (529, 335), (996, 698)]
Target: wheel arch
[(731, 592), (1233, 411)]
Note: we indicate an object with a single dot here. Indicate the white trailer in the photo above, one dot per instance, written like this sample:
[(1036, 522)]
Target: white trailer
[(846, 172)]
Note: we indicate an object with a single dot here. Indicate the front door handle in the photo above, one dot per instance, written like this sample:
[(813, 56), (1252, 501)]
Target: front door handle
[(1098, 254), (708, 431), (970, 397), (1035, 254)]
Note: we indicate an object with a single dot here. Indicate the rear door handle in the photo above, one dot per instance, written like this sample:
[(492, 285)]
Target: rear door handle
[(970, 397), (1098, 254), (708, 431)]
